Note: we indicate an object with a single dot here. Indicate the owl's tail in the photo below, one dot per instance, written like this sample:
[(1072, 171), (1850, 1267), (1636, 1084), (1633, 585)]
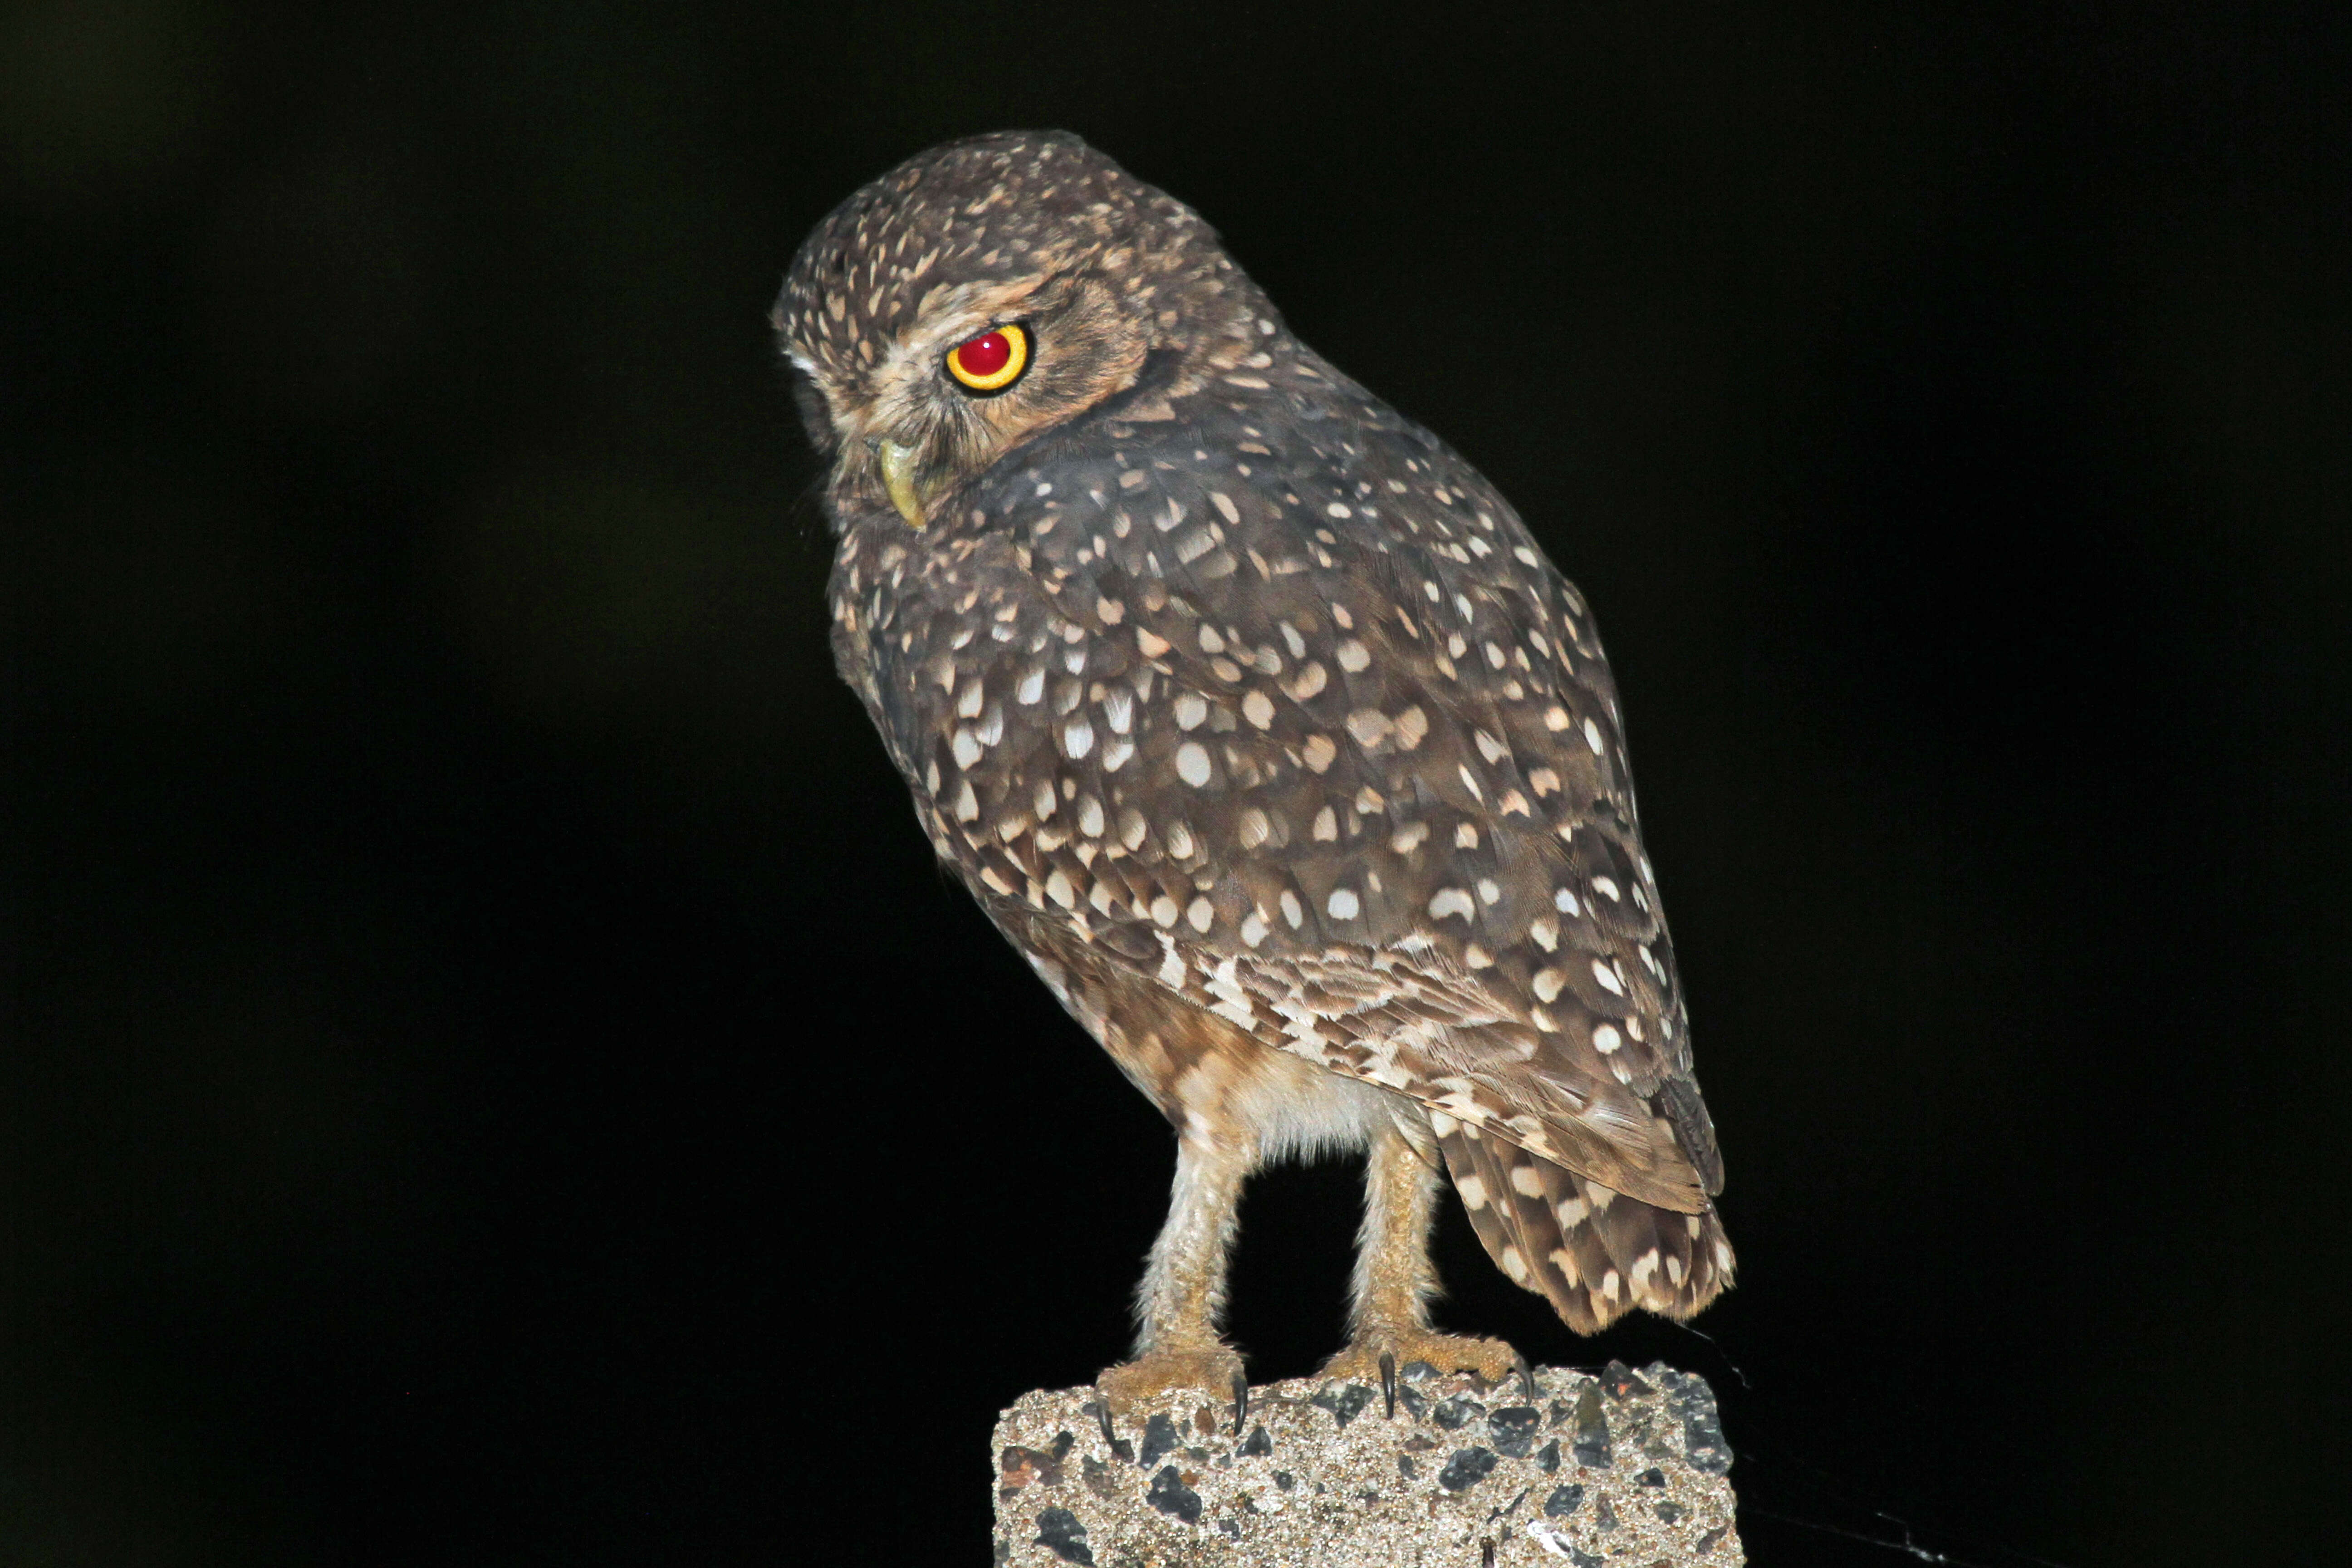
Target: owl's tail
[(1594, 1254)]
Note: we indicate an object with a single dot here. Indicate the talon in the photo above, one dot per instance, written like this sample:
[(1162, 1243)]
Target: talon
[(1241, 1400), (1526, 1380), (1388, 1382), (1102, 1412)]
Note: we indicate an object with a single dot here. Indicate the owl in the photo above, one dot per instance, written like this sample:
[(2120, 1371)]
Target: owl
[(1259, 724)]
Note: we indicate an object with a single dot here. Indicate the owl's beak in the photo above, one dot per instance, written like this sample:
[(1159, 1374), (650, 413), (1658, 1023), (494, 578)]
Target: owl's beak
[(898, 464)]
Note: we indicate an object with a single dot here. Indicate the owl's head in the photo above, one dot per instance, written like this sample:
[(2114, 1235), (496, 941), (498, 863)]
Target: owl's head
[(988, 291)]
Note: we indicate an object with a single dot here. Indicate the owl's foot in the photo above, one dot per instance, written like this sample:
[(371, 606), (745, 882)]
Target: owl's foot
[(1377, 1356), (1213, 1369)]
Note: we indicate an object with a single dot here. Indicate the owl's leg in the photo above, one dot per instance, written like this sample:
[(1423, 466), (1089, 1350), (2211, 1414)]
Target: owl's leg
[(1388, 1319), (1183, 1292)]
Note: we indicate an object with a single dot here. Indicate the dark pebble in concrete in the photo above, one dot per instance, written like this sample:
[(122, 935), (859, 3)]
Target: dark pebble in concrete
[(1563, 1501), (1021, 1466), (1692, 1403), (1170, 1496), (1059, 1529), (1158, 1438), (1591, 1429), (1621, 1381), (1457, 1412), (1514, 1430), (1467, 1469), (1345, 1403)]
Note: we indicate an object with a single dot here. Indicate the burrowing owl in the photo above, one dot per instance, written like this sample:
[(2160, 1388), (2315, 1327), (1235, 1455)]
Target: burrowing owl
[(1260, 725)]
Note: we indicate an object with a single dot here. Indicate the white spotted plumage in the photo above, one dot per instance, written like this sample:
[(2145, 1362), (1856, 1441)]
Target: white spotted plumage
[(1346, 758)]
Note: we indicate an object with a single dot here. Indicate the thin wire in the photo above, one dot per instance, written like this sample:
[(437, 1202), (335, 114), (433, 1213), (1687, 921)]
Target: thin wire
[(1715, 1345), (1906, 1546), (1838, 1489)]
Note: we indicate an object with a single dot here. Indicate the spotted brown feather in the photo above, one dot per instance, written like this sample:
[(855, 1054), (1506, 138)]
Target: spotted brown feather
[(1258, 720)]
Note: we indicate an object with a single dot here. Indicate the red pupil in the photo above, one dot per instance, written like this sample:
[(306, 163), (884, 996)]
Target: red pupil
[(985, 354)]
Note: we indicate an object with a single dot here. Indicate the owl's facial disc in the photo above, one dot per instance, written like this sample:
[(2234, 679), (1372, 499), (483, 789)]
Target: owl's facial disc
[(982, 369), (981, 366)]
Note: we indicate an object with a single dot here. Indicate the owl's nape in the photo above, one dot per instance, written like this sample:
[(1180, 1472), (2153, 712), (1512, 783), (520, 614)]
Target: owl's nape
[(1258, 723)]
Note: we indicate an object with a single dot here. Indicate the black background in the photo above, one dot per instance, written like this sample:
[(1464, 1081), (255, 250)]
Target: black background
[(492, 1075)]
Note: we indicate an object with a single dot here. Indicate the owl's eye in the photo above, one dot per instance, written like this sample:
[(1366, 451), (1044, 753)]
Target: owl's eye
[(991, 362)]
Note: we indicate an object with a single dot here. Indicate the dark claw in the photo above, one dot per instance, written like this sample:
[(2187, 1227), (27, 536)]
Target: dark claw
[(1387, 1381), (1241, 1400), (1102, 1412), (1526, 1380)]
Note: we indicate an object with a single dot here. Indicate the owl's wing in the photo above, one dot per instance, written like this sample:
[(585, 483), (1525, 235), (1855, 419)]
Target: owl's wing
[(1348, 772), (1463, 913)]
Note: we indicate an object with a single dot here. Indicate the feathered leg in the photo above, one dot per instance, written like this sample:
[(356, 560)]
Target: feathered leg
[(1183, 1290), (1394, 1281)]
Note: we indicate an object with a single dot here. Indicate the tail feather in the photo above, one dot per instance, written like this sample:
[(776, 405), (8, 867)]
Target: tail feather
[(1593, 1253)]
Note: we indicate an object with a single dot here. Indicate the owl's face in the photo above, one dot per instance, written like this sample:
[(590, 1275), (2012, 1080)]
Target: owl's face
[(980, 368), (985, 293)]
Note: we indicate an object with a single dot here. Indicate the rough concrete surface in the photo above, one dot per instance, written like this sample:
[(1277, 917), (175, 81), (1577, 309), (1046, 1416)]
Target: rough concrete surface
[(1624, 1469)]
